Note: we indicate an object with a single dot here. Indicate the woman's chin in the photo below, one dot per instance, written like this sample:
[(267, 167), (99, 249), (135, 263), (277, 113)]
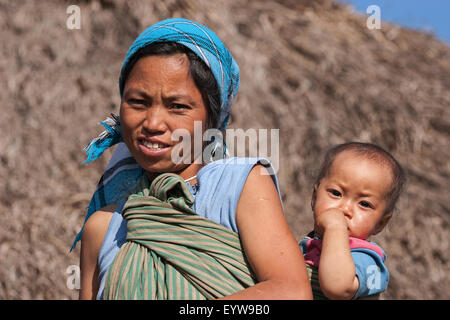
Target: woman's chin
[(159, 160), (154, 168)]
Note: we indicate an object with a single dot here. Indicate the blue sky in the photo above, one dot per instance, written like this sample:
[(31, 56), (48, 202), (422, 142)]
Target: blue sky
[(429, 15)]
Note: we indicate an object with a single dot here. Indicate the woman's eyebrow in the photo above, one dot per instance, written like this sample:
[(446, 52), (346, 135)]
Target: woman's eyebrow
[(178, 97), (186, 98), (140, 92)]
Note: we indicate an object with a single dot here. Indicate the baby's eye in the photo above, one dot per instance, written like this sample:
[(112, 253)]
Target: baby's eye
[(334, 192), (366, 204)]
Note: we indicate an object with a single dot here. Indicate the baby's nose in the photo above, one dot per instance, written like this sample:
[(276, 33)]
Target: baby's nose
[(347, 208)]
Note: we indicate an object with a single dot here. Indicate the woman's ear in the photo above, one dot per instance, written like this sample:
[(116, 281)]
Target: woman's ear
[(382, 223)]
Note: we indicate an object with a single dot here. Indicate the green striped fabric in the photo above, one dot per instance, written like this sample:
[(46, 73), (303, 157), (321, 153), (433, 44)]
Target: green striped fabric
[(171, 252), (313, 274)]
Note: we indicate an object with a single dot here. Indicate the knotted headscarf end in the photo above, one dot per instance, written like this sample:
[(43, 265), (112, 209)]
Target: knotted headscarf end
[(111, 136)]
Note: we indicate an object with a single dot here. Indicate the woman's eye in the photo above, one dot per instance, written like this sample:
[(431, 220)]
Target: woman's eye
[(136, 102), (365, 204), (335, 192), (180, 106)]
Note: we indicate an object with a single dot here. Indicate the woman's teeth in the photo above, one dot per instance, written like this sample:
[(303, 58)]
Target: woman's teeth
[(151, 145)]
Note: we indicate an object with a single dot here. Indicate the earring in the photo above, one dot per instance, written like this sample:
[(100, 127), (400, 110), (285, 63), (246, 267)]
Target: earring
[(218, 151)]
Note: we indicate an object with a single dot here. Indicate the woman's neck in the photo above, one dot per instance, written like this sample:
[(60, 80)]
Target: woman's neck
[(186, 173)]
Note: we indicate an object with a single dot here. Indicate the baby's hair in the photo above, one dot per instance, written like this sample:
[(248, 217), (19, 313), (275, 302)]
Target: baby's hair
[(371, 152)]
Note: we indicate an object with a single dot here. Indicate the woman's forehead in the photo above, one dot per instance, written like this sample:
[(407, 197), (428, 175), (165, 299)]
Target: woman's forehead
[(158, 69), (167, 76), (177, 62)]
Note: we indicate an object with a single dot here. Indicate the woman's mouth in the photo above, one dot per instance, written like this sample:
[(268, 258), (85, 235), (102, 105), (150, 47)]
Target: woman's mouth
[(153, 148), (153, 145)]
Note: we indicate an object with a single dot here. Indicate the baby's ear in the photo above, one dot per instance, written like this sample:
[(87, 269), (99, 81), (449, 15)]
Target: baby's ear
[(314, 196), (382, 223)]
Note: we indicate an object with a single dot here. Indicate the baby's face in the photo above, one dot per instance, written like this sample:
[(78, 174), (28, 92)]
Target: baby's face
[(357, 186)]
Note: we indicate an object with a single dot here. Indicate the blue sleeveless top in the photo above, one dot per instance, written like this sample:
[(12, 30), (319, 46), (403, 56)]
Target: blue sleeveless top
[(220, 185)]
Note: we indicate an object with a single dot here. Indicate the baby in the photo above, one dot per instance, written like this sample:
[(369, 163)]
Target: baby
[(354, 197)]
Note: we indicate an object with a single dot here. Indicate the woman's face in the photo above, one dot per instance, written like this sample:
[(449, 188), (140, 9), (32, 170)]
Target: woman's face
[(159, 97)]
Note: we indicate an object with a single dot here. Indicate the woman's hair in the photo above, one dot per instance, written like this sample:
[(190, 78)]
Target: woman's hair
[(202, 75), (371, 152)]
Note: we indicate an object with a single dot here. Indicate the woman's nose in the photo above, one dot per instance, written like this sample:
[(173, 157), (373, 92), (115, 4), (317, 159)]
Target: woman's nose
[(155, 120)]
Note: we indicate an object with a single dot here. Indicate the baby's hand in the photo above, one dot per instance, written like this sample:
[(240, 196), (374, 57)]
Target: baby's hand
[(330, 218)]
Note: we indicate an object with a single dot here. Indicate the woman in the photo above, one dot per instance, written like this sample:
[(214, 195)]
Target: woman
[(178, 73)]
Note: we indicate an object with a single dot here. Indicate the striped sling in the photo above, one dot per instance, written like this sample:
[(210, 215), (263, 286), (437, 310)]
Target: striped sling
[(171, 252), (313, 274)]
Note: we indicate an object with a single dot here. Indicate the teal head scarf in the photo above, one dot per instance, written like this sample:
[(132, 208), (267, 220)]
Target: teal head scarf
[(203, 42)]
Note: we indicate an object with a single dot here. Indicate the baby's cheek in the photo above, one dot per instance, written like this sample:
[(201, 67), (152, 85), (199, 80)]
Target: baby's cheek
[(360, 229), (322, 206)]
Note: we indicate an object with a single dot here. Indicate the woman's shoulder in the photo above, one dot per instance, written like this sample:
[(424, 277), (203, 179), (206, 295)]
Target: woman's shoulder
[(234, 172), (259, 186), (102, 215), (240, 161), (237, 165), (221, 184), (96, 226)]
